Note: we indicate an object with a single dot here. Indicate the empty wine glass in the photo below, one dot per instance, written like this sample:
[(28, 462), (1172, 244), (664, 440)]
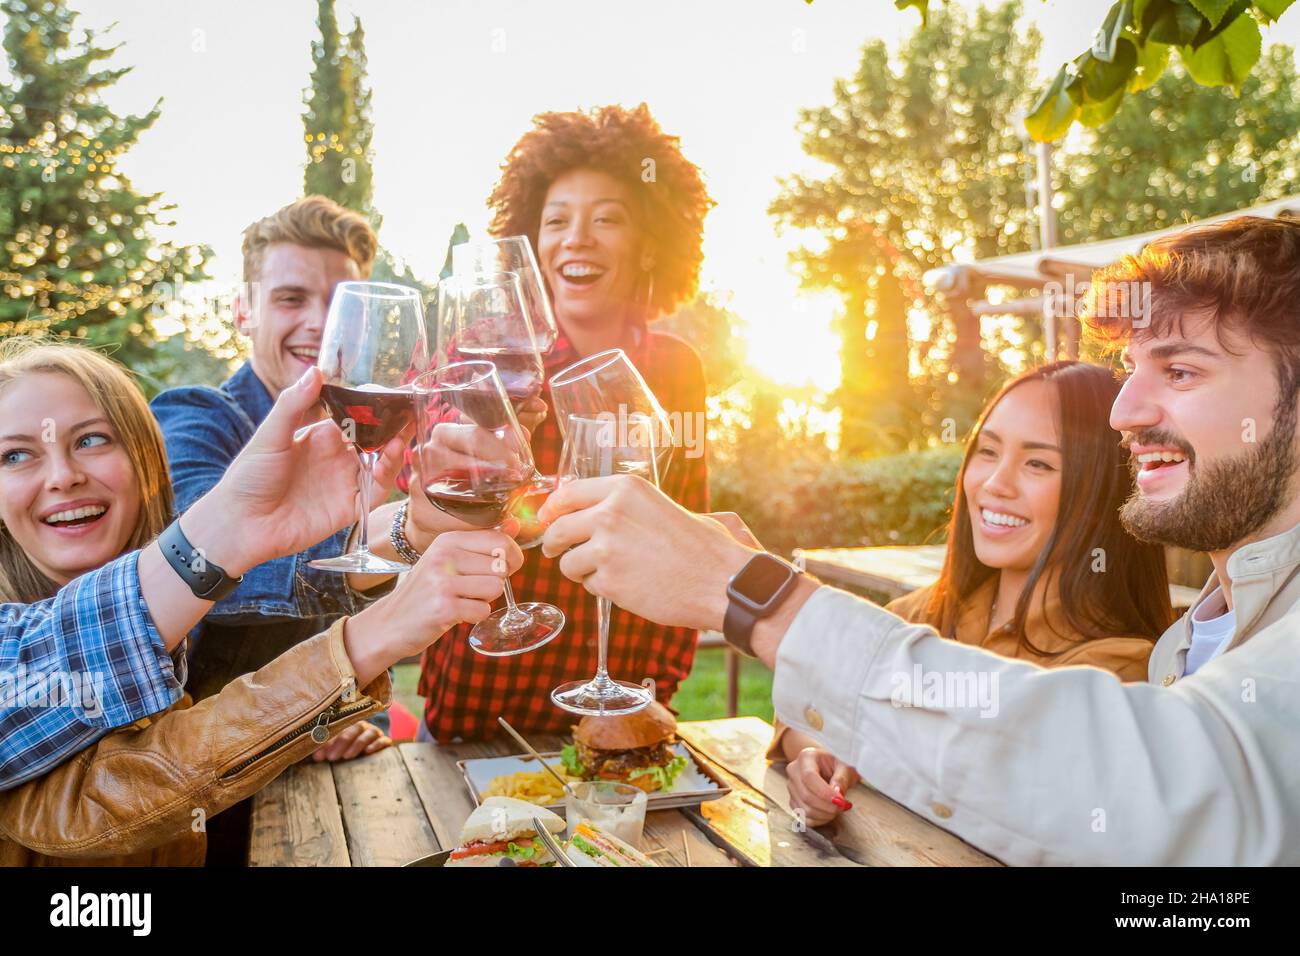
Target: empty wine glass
[(594, 447), (512, 254), (475, 461), (372, 348), (607, 383)]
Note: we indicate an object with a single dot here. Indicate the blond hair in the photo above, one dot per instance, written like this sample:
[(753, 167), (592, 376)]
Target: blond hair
[(317, 222), (115, 393)]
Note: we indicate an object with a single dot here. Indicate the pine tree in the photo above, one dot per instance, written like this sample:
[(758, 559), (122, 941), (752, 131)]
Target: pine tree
[(337, 121), (79, 258)]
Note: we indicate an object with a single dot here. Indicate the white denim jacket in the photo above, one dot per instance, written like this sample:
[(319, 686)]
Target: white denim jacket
[(1069, 766)]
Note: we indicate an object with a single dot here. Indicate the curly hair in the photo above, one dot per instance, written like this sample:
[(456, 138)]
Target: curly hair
[(630, 146)]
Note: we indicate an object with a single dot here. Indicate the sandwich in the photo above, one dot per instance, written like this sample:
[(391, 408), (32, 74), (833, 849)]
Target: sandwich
[(632, 748), (503, 827), (592, 846)]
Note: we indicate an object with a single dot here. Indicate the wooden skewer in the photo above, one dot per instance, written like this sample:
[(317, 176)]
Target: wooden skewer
[(686, 848)]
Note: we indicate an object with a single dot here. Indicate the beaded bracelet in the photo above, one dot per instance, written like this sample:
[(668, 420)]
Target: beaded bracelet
[(397, 535)]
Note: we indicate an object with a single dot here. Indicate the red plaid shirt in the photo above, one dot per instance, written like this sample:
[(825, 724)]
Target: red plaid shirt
[(465, 691)]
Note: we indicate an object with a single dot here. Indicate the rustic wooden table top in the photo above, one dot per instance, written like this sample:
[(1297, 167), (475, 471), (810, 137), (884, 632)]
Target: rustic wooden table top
[(410, 800), (901, 570)]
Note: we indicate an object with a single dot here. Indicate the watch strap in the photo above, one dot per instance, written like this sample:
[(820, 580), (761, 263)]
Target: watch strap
[(738, 628), (206, 580)]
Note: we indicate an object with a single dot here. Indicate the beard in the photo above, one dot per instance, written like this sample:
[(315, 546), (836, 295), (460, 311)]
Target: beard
[(1226, 501)]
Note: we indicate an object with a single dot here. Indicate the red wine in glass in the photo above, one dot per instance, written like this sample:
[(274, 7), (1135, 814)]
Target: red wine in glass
[(483, 504), (525, 507), (369, 414), (521, 372)]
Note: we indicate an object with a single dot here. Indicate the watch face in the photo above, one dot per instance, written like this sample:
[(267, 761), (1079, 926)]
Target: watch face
[(759, 580)]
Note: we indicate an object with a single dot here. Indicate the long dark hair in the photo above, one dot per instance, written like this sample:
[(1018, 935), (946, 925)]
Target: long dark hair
[(1131, 597)]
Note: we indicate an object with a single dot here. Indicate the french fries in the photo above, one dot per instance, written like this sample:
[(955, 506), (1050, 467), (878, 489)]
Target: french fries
[(535, 786)]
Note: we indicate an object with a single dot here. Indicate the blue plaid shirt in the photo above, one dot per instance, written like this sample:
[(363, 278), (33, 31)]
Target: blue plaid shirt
[(75, 666)]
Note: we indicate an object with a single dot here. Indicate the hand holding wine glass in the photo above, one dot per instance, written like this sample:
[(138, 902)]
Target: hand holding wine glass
[(474, 461), (593, 448), (372, 348)]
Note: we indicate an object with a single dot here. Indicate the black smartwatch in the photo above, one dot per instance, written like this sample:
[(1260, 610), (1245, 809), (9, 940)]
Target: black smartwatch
[(754, 593), (207, 580)]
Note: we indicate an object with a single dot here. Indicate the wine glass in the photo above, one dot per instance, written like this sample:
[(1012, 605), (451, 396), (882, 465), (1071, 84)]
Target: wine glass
[(607, 383), (594, 447), (475, 461), (372, 348), (512, 254), (484, 316)]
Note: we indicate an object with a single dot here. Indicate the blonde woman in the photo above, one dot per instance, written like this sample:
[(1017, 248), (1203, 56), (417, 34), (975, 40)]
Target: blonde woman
[(109, 762)]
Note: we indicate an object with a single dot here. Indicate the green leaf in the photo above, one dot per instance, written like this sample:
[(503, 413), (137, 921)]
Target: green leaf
[(1176, 24), (1151, 62), (1108, 36), (922, 7), (1213, 10), (1227, 59), (1208, 32), (1272, 9), (1102, 79), (1052, 115), (1094, 113)]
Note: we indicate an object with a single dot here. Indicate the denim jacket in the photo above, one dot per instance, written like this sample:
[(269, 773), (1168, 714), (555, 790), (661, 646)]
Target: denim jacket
[(279, 603)]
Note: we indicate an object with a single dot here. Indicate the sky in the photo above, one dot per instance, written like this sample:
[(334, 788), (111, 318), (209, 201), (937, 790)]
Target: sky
[(455, 83)]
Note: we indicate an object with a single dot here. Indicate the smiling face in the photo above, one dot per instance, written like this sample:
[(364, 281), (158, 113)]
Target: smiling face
[(68, 492), (590, 248), (1213, 440), (1012, 481), (286, 316)]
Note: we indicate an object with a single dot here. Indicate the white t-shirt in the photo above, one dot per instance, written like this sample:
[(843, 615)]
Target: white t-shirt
[(1209, 634)]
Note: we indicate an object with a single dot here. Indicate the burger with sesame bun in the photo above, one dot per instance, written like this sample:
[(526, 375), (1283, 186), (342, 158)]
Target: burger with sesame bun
[(632, 748)]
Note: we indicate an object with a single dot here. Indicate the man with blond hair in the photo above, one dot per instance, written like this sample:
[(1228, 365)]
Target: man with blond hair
[(293, 259)]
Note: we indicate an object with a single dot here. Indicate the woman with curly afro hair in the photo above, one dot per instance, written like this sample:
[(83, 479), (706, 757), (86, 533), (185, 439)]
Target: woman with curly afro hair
[(615, 213)]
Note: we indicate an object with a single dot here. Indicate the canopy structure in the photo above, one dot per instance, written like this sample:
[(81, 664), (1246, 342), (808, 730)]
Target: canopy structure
[(1059, 275)]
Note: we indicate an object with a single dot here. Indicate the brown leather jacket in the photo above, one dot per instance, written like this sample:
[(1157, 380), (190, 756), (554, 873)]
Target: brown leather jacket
[(132, 798)]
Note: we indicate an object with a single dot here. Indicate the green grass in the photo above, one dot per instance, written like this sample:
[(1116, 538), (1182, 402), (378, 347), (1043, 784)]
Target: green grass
[(703, 696)]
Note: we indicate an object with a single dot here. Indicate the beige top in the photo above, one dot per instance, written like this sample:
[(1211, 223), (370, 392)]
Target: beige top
[(1124, 656), (1072, 766)]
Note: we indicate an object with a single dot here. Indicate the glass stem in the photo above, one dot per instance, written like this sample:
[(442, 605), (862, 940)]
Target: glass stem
[(603, 608), (515, 619), (368, 459)]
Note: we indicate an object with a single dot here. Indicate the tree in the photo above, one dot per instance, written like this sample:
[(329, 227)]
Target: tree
[(79, 257), (712, 329), (337, 124), (925, 160), (1177, 152), (1218, 41)]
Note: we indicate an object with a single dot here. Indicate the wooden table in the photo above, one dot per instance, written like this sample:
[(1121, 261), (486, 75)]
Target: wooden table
[(410, 800), (899, 571)]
